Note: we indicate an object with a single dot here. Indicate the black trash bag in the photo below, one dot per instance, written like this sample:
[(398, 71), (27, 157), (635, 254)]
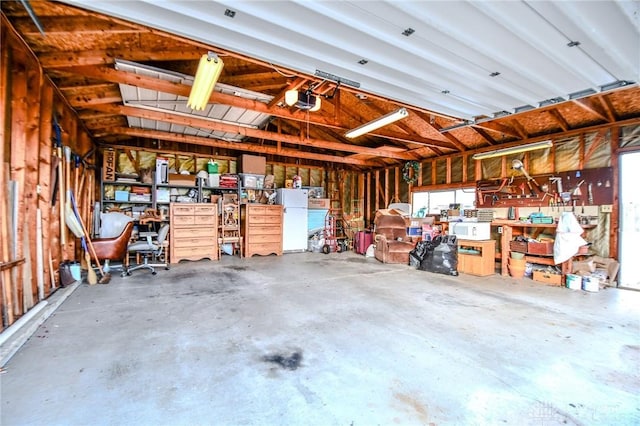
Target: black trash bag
[(420, 252), (443, 258)]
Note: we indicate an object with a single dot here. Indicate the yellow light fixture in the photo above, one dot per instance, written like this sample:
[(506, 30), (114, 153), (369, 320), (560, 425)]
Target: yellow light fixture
[(209, 70), (303, 100), (513, 150), (377, 123)]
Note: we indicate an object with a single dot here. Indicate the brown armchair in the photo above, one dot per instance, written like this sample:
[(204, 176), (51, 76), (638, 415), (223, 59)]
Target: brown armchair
[(115, 248), (392, 242)]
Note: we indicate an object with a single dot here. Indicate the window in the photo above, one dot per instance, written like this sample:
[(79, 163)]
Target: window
[(432, 202)]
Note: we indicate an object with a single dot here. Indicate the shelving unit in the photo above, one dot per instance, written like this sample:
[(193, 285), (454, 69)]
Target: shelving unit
[(229, 229), (109, 201)]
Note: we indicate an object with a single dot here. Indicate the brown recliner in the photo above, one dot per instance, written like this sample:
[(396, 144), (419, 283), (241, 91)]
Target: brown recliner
[(113, 248), (392, 242)]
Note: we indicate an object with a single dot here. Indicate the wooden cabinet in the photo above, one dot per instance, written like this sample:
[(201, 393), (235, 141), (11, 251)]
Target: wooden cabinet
[(194, 231), (262, 229), (482, 263)]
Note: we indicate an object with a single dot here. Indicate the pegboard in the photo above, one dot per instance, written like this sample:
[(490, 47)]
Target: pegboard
[(577, 187)]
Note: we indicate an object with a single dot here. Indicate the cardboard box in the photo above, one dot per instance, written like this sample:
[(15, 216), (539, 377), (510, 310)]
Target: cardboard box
[(547, 278), (252, 164), (453, 213), (109, 165), (179, 179), (319, 203)]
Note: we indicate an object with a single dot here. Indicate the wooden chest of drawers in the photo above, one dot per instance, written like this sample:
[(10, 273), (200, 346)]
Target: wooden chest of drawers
[(194, 231), (262, 229)]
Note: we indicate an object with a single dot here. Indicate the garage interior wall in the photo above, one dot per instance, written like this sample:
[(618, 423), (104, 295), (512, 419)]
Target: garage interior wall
[(36, 174)]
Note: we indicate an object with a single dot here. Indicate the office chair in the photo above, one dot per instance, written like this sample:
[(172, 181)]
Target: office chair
[(148, 250)]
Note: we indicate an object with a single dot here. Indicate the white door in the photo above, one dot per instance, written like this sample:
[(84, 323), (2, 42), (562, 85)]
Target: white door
[(629, 220)]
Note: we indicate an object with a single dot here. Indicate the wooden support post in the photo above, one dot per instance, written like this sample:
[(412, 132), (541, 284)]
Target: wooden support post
[(5, 274), (44, 176), (614, 226), (377, 189), (30, 192), (19, 119), (386, 188)]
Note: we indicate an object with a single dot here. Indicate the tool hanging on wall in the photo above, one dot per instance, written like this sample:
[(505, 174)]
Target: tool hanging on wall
[(61, 189)]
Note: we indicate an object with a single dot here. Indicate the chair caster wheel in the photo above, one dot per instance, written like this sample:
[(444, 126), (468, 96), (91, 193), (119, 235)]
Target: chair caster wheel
[(128, 274), (153, 273), (124, 274), (167, 268)]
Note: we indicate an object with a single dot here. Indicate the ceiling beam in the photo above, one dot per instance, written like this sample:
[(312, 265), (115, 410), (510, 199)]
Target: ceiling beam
[(101, 57), (262, 149), (497, 127), (588, 104), (123, 77), (555, 114), (209, 124)]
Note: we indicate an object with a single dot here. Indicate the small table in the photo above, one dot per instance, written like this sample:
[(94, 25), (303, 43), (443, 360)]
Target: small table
[(481, 264)]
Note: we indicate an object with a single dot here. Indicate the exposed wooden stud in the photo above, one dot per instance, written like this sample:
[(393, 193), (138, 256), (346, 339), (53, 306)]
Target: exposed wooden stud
[(614, 225), (19, 120)]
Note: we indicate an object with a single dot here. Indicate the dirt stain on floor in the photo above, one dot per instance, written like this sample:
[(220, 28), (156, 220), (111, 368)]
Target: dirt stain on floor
[(416, 407), (287, 362)]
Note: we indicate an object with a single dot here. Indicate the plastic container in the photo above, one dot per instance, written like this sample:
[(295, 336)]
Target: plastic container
[(591, 284), (212, 168), (574, 282), (517, 255), (75, 271)]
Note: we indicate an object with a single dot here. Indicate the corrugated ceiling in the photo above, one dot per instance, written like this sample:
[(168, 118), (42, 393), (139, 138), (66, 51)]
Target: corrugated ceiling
[(160, 101)]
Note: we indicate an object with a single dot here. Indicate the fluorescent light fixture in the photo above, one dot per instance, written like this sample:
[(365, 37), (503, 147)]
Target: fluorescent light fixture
[(303, 100), (209, 70), (377, 123), (512, 150)]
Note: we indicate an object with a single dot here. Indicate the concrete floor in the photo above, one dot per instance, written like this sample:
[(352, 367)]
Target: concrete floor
[(338, 339)]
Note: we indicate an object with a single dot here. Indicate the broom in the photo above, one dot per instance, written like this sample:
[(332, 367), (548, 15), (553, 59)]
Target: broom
[(105, 278), (92, 278)]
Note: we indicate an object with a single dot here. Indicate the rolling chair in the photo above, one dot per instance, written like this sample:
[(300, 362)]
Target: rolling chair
[(152, 252)]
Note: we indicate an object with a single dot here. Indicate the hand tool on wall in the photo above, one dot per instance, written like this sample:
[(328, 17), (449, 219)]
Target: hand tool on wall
[(58, 144), (590, 193), (518, 165)]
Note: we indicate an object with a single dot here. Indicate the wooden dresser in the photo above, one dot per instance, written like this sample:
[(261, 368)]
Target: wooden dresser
[(262, 229), (194, 231)]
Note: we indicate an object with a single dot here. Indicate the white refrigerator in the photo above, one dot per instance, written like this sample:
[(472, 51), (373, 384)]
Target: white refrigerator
[(295, 234)]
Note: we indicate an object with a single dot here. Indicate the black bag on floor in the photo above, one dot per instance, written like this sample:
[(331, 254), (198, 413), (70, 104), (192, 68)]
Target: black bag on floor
[(420, 252), (443, 258)]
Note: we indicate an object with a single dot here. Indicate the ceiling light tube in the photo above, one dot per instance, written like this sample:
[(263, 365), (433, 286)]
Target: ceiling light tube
[(377, 123), (513, 150), (209, 70)]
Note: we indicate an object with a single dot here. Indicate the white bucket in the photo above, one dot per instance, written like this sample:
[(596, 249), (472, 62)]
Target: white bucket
[(591, 284), (574, 282), (75, 271)]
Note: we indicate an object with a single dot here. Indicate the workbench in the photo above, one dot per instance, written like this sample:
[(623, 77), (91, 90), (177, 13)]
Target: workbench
[(514, 227)]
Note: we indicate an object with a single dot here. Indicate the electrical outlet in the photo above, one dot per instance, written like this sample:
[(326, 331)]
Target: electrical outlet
[(606, 208), (499, 229)]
